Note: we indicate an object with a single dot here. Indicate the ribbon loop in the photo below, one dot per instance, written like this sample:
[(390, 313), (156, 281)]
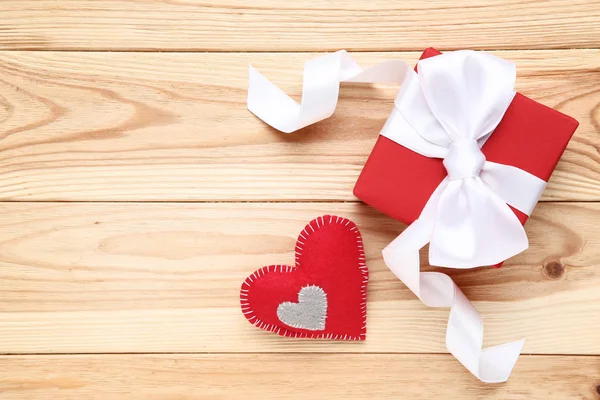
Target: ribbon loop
[(448, 110), (467, 91)]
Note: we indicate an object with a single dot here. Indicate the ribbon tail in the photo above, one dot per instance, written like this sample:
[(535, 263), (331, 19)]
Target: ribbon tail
[(263, 95), (320, 90), (464, 333)]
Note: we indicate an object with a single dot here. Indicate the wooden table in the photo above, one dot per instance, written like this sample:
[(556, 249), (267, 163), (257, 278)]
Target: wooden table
[(138, 192)]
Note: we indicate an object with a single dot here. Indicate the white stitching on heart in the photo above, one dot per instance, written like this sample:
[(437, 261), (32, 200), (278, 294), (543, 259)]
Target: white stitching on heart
[(310, 312)]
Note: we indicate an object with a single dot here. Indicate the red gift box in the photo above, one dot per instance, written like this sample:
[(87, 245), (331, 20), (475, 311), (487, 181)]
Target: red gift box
[(399, 182)]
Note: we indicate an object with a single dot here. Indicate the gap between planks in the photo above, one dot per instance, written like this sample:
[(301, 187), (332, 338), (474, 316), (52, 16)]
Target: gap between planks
[(284, 52), (274, 353)]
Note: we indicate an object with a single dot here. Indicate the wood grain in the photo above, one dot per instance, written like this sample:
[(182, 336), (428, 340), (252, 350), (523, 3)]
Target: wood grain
[(288, 376), (268, 25), (101, 278), (174, 127), (110, 105)]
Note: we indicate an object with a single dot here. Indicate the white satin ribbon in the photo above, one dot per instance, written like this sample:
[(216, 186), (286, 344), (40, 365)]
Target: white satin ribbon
[(320, 90), (446, 111)]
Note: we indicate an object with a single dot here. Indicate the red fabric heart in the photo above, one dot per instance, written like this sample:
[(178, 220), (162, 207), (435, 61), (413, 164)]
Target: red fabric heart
[(329, 255)]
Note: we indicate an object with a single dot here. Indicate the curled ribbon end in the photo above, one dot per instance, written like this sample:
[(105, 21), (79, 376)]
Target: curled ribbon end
[(271, 104), (496, 363)]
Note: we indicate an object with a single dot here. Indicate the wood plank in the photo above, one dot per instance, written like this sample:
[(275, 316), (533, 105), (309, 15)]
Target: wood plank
[(136, 277), (139, 126), (267, 25), (289, 376)]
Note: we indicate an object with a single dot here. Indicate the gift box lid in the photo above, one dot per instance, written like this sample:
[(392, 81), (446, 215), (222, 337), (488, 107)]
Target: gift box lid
[(399, 182)]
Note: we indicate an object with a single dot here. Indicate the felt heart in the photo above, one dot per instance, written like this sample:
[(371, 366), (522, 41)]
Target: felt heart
[(324, 296)]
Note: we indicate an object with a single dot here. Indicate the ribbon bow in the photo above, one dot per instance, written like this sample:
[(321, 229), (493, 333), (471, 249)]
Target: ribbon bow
[(446, 111)]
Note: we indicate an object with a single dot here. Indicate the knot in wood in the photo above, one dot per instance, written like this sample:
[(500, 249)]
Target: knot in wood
[(554, 270)]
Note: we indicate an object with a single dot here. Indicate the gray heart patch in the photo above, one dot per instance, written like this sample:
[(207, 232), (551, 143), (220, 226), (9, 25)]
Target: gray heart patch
[(309, 313)]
